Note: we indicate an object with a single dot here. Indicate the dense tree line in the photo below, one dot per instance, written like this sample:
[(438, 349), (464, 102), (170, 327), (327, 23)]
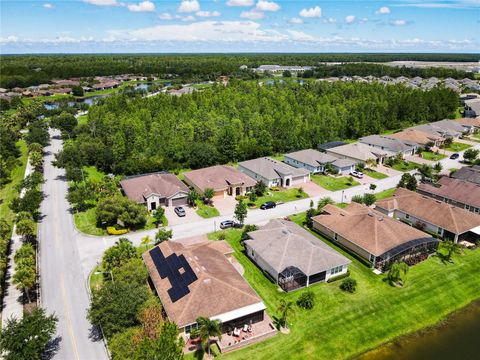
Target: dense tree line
[(242, 121), (25, 70), (379, 70)]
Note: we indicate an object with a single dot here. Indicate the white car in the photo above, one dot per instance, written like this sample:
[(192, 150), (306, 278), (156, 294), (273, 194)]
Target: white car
[(357, 174)]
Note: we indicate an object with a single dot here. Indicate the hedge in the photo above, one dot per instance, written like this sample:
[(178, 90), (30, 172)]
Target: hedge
[(112, 231)]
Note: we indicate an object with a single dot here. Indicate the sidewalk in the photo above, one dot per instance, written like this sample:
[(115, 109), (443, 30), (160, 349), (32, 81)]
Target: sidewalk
[(12, 300)]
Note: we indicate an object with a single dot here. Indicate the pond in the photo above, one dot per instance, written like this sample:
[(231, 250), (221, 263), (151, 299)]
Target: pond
[(456, 338), (88, 100)]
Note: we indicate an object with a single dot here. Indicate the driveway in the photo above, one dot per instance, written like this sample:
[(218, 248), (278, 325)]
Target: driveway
[(419, 160), (387, 171), (225, 205), (174, 219), (312, 189)]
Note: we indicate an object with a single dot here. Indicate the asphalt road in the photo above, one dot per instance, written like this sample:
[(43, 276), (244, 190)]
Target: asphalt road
[(67, 256), (62, 282)]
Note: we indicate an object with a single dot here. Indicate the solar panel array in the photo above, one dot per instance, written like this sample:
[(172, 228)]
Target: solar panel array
[(169, 267)]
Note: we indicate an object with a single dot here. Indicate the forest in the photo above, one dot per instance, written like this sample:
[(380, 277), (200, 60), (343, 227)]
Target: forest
[(242, 121), (26, 70)]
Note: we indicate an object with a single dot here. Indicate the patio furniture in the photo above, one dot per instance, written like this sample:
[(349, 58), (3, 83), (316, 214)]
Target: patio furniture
[(245, 328), (236, 332)]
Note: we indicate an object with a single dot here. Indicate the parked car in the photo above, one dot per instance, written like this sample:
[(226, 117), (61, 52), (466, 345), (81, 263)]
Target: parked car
[(180, 211), (455, 156), (229, 224), (268, 205), (357, 174)]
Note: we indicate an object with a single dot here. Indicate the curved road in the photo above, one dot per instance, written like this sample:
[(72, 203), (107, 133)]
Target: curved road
[(68, 256)]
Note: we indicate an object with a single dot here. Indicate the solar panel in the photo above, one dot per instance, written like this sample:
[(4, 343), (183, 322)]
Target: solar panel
[(169, 267)]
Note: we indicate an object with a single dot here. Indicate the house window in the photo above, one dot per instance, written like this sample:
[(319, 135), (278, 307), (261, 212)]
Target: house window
[(372, 258), (253, 253), (407, 216), (439, 231), (336, 270)]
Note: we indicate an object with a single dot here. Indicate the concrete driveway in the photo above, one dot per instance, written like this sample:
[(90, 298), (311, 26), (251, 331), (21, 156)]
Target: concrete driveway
[(225, 205), (174, 219), (312, 189)]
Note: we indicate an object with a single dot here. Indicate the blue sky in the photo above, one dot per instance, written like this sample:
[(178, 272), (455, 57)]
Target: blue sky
[(77, 26)]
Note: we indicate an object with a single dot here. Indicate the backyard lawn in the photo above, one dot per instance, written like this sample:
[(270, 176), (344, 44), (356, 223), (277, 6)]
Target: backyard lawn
[(405, 166), (343, 325), (283, 196), (334, 183), (206, 211), (428, 155), (456, 147), (374, 174), (385, 194)]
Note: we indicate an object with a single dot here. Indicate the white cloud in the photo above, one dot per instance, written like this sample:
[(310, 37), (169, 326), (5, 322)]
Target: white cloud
[(295, 21), (240, 2), (207, 13), (300, 36), (330, 20), (314, 12), (188, 18), (252, 15), (383, 10), (166, 16), (459, 4), (225, 31), (188, 6), (398, 22), (264, 5), (48, 6), (350, 19), (144, 6), (102, 2)]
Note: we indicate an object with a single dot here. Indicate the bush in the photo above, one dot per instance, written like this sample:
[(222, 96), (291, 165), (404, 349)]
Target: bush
[(112, 231), (349, 285), (275, 188), (357, 199), (306, 300), (241, 197), (339, 277), (246, 230)]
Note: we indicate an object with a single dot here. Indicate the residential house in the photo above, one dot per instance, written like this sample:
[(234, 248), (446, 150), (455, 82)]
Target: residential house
[(292, 256), (470, 174), (201, 280), (431, 215), (273, 172), (277, 69), (471, 125), (443, 128), (315, 161), (360, 153), (328, 145), (155, 189), (377, 238), (419, 137), (397, 146), (460, 193), (472, 108), (224, 180)]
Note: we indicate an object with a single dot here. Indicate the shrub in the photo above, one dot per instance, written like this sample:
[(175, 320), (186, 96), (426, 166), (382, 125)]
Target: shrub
[(357, 199), (306, 300), (369, 199), (241, 197), (112, 231), (339, 277), (246, 230), (275, 188), (349, 285)]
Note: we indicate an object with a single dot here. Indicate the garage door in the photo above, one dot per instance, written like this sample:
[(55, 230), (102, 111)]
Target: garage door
[(179, 201), (298, 180)]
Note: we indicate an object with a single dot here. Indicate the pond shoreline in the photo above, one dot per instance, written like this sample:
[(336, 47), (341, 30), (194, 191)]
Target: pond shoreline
[(405, 345)]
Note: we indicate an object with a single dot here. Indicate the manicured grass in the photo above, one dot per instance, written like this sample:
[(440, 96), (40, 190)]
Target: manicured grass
[(8, 191), (405, 166), (456, 147), (374, 174), (206, 211), (428, 155), (385, 194), (283, 196), (333, 183), (343, 325), (82, 119), (92, 173)]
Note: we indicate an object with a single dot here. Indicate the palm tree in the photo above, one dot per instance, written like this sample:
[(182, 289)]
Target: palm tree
[(192, 196), (395, 273), (285, 308), (208, 195), (208, 328), (24, 278), (146, 240), (425, 171)]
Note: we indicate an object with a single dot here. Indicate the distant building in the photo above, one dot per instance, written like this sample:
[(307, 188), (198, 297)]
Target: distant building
[(394, 145), (470, 174), (360, 153), (277, 69)]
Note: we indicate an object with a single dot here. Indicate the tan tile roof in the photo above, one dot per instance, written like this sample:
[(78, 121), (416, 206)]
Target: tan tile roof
[(459, 190), (416, 136), (138, 188), (283, 243), (218, 178), (439, 213), (219, 287), (469, 121), (367, 228)]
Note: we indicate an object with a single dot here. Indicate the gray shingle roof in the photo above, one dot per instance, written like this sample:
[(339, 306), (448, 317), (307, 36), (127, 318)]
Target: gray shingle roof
[(470, 174), (311, 157), (271, 169), (283, 243), (392, 144)]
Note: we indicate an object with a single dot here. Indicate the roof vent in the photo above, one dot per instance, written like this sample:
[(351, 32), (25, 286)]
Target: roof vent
[(207, 281), (286, 232), (380, 218), (203, 268), (370, 214)]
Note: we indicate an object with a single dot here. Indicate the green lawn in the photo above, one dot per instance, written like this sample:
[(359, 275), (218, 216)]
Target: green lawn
[(8, 192), (385, 194), (206, 211), (283, 196), (405, 166), (82, 119), (345, 325), (92, 173), (456, 147), (333, 183), (374, 174), (428, 155)]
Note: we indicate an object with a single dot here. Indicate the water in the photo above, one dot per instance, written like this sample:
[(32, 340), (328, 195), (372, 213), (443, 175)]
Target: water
[(457, 338), (89, 101)]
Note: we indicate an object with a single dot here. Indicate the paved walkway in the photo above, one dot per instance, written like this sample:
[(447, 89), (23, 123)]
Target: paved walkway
[(12, 306)]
